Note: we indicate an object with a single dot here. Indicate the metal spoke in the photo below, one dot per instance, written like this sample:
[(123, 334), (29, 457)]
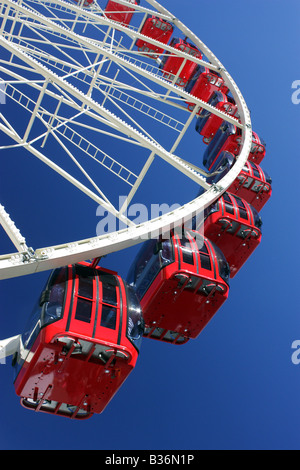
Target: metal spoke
[(85, 89)]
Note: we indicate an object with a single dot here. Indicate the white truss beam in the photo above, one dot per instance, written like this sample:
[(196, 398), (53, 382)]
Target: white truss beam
[(9, 346), (123, 127), (117, 58), (12, 231)]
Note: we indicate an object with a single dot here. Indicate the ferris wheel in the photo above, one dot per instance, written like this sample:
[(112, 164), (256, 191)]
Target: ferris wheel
[(104, 95), (81, 86)]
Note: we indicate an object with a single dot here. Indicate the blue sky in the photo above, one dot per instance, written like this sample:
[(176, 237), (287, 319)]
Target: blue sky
[(235, 386)]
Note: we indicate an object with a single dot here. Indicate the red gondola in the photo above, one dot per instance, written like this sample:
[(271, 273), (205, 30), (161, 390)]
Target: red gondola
[(235, 226), (181, 283), (203, 85), (173, 65), (252, 184), (258, 149), (81, 344), (158, 29), (208, 123), (118, 12), (228, 138)]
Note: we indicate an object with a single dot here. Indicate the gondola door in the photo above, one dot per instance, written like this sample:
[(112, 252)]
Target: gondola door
[(84, 303), (109, 318)]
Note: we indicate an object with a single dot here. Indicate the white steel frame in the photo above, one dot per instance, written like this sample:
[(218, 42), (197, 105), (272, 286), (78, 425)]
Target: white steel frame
[(55, 82)]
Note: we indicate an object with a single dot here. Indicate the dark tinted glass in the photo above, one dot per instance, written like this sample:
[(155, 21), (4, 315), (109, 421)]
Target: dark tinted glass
[(85, 288), (205, 261), (187, 255), (109, 294), (108, 317), (83, 310)]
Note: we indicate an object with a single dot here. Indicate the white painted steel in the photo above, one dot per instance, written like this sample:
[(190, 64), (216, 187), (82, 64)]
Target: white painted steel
[(9, 346), (53, 84)]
